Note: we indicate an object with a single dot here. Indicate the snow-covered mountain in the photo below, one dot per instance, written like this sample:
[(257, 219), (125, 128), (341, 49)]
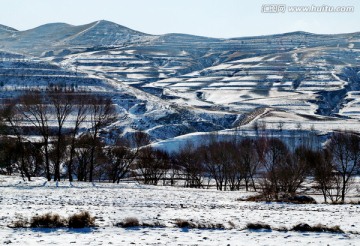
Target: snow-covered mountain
[(55, 38), (175, 84), (6, 29)]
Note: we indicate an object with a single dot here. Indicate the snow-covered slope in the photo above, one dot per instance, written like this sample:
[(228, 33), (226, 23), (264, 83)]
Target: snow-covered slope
[(177, 84), (61, 38), (104, 33), (137, 109), (6, 29)]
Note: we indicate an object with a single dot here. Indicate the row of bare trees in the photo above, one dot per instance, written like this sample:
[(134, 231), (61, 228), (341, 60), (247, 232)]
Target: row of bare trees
[(266, 164), (57, 118), (56, 134)]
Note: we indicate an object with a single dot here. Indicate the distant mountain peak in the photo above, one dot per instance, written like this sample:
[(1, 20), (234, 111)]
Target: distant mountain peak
[(103, 32), (52, 27), (110, 24), (300, 33), (7, 28), (105, 22), (63, 38)]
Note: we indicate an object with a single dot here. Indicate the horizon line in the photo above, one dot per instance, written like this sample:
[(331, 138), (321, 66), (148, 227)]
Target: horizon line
[(191, 34)]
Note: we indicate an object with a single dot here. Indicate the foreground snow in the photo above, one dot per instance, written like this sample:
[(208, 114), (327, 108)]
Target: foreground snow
[(115, 236), (113, 203)]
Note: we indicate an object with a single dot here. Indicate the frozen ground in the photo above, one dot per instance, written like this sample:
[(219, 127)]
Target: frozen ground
[(113, 203)]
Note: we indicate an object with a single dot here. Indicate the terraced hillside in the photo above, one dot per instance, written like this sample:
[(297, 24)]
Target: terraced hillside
[(175, 84), (137, 110)]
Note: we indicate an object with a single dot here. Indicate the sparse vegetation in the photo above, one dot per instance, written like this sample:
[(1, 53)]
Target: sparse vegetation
[(129, 222), (296, 199), (155, 224), (84, 219), (48, 220), (303, 227), (232, 225), (181, 223), (258, 226), (301, 199), (53, 220), (265, 163), (19, 222), (81, 220), (218, 226)]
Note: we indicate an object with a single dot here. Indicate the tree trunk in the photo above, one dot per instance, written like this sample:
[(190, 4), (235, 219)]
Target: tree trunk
[(47, 161)]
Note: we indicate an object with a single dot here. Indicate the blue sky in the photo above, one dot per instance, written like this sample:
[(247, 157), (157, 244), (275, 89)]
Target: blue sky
[(214, 18)]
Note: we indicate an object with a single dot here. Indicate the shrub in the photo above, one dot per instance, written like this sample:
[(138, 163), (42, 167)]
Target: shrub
[(334, 202), (281, 228), (335, 229), (296, 199), (184, 224), (258, 226), (81, 220), (354, 202), (20, 222), (232, 225), (48, 220), (218, 226), (155, 224), (303, 227), (254, 198), (302, 199), (129, 222), (181, 223)]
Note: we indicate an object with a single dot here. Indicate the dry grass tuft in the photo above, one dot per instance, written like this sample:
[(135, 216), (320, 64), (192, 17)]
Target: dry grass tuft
[(48, 220), (303, 227), (258, 226), (19, 222), (129, 222), (81, 220), (296, 199), (184, 224)]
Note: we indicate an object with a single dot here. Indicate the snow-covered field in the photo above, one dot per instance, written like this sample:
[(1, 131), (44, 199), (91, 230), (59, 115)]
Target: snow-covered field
[(112, 203)]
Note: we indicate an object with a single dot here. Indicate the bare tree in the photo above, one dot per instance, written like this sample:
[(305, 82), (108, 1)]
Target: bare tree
[(152, 165), (80, 109), (276, 157), (120, 157), (62, 102), (218, 162), (37, 111), (12, 126), (324, 176), (189, 161), (248, 161), (292, 173), (345, 149), (82, 152), (32, 163), (233, 166), (101, 113), (8, 155)]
